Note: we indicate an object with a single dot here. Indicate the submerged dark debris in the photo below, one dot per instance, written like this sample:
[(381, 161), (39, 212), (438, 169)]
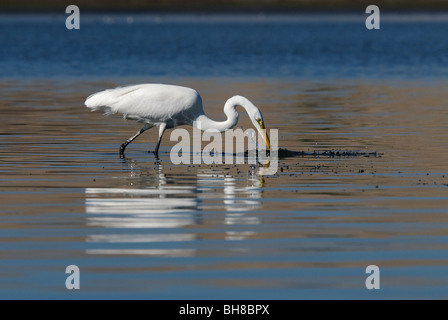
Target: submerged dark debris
[(284, 153)]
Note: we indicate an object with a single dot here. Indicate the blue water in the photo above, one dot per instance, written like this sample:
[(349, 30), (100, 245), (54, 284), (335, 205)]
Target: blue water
[(316, 46), (138, 228)]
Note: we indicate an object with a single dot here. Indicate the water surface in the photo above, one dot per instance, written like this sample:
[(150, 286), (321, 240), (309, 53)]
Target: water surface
[(139, 228)]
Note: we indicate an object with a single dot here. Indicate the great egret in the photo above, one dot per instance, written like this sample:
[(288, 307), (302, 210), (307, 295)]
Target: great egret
[(169, 106)]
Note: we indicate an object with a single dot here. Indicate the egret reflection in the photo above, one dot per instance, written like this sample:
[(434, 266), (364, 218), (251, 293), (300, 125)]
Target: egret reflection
[(156, 211)]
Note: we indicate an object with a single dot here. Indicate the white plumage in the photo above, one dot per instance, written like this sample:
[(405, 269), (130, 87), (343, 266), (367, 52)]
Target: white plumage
[(149, 103), (168, 106)]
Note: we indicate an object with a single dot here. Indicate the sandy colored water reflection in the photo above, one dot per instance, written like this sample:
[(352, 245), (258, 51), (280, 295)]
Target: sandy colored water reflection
[(168, 206), (138, 228)]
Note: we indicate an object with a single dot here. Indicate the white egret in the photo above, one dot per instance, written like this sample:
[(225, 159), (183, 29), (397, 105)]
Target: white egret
[(169, 106)]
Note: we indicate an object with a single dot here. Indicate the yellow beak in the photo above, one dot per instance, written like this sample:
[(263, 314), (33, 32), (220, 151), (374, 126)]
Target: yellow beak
[(264, 134)]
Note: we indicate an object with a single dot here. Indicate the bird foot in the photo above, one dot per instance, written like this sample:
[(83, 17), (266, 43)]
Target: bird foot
[(121, 152), (156, 155)]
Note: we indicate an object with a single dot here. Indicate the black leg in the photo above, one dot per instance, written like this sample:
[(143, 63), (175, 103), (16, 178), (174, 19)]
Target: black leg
[(162, 128), (124, 145)]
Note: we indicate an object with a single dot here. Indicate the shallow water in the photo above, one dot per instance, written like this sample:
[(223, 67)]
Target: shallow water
[(142, 229)]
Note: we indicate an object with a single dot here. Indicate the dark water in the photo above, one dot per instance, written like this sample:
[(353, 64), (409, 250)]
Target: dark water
[(137, 228), (313, 46)]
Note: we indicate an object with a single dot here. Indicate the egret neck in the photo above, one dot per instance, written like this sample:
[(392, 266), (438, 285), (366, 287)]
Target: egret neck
[(203, 122)]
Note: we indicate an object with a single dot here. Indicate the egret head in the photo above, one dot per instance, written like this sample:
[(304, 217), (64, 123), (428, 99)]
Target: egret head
[(259, 124), (254, 114), (257, 119)]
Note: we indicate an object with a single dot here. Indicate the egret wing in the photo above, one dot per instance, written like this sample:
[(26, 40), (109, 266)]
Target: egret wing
[(149, 102)]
